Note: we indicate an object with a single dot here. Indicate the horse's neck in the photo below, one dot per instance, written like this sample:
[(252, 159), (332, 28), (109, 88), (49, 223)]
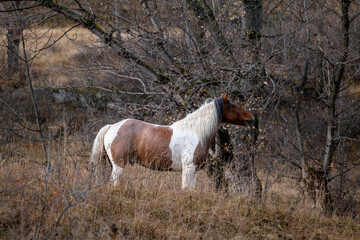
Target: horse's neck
[(204, 123)]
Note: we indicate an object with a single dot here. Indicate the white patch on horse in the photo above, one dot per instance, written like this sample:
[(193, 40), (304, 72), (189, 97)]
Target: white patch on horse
[(108, 140), (182, 146), (115, 174), (195, 129)]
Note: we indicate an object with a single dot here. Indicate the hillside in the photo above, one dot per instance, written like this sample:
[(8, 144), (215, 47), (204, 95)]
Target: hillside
[(147, 205)]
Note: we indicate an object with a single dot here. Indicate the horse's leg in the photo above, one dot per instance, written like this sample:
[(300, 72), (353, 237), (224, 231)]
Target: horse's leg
[(115, 174), (116, 169), (188, 175), (117, 147)]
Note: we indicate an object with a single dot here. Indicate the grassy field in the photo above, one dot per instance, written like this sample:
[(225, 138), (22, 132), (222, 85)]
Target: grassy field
[(52, 52), (147, 205)]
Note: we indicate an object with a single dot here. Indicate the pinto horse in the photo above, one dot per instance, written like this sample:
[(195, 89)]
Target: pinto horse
[(182, 146)]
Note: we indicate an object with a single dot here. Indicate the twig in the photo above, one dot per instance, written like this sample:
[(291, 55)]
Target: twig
[(42, 140)]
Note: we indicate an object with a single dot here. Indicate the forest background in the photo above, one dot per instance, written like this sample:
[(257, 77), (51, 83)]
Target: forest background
[(69, 67)]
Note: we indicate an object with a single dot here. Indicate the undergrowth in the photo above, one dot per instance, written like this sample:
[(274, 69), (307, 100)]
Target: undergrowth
[(147, 205)]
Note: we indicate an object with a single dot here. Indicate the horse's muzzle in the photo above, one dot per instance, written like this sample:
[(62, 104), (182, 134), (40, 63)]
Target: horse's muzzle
[(250, 122)]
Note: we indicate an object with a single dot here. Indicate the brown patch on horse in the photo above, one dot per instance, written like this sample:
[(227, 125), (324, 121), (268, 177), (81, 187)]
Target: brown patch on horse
[(146, 143), (201, 152)]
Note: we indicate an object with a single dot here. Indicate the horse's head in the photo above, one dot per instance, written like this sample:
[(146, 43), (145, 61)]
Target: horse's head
[(235, 114)]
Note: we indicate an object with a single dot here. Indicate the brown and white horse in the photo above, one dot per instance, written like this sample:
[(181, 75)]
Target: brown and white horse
[(182, 146)]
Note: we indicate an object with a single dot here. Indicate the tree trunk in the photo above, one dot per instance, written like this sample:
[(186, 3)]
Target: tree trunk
[(13, 42), (241, 173), (13, 35), (160, 40), (206, 15), (252, 23), (306, 183), (223, 155), (335, 85)]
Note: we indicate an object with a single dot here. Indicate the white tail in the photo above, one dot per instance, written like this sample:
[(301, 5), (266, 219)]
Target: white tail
[(96, 163)]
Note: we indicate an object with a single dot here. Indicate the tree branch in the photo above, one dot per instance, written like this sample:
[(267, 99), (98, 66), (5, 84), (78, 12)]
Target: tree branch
[(206, 15), (91, 24)]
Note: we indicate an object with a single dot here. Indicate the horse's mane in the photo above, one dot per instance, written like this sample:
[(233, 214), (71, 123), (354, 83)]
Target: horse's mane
[(204, 121)]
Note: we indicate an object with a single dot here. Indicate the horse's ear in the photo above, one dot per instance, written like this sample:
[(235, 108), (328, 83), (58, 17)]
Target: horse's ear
[(224, 96)]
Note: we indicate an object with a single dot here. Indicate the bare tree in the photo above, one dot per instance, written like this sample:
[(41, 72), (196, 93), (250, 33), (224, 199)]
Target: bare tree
[(314, 74)]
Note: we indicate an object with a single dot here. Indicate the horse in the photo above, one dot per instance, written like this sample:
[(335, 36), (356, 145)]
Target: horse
[(182, 146)]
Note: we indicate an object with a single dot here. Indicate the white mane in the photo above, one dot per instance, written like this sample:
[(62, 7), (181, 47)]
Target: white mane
[(203, 122)]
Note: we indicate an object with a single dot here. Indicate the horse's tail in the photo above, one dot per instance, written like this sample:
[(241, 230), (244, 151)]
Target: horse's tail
[(97, 153)]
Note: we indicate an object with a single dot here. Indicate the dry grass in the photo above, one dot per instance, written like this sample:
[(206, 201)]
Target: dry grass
[(147, 205)]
